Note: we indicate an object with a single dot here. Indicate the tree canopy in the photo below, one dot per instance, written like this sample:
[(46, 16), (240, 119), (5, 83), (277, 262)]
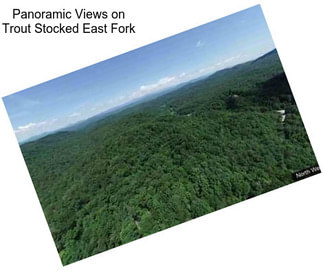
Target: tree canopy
[(202, 147)]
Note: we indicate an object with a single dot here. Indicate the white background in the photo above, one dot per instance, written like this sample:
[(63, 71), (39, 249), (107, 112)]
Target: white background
[(280, 230)]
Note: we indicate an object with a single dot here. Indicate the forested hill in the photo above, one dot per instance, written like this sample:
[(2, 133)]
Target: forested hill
[(207, 145), (269, 61)]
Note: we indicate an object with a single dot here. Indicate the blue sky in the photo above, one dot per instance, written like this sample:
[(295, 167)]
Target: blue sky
[(84, 93)]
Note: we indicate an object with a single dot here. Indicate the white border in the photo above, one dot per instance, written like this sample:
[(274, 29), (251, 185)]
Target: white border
[(280, 230)]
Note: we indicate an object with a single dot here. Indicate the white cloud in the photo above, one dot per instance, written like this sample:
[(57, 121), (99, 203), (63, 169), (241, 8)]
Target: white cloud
[(149, 89), (29, 126), (199, 44), (34, 128), (206, 70), (229, 59), (75, 114), (226, 63), (169, 81), (160, 83)]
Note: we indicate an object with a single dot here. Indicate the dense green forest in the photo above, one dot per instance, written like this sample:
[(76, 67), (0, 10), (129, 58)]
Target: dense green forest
[(204, 146)]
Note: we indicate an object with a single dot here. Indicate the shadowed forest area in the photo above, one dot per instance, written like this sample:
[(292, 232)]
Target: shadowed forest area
[(206, 145)]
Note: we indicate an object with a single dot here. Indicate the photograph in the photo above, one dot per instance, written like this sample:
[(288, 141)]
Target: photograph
[(161, 135)]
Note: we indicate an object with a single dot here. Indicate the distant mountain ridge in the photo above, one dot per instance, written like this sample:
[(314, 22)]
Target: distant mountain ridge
[(181, 86)]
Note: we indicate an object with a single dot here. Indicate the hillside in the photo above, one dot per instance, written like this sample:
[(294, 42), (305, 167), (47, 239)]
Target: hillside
[(197, 149)]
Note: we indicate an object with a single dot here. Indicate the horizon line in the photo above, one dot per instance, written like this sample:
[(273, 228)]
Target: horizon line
[(115, 107)]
